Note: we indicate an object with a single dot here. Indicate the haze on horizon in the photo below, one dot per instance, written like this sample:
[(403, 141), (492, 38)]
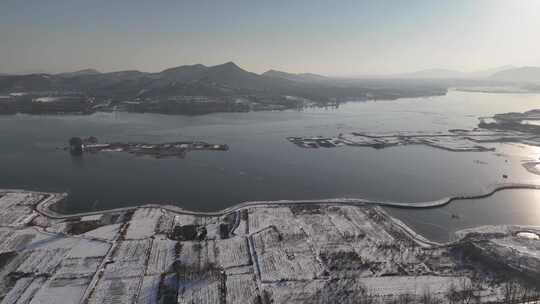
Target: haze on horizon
[(349, 38)]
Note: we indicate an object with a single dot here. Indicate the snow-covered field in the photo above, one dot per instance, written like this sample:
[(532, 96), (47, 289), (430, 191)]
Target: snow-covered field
[(453, 140), (265, 253)]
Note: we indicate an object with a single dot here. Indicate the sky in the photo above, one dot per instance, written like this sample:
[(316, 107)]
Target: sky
[(339, 38)]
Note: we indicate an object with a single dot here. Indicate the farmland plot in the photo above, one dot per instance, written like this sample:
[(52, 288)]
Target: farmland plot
[(75, 267), (17, 290), (24, 292), (89, 248), (202, 293), (117, 290), (241, 289), (16, 216), (107, 232), (129, 260), (149, 290), (65, 290), (320, 228), (12, 240), (278, 217), (233, 252), (143, 223), (42, 261), (161, 257), (165, 223), (198, 255), (185, 219), (19, 198), (277, 260)]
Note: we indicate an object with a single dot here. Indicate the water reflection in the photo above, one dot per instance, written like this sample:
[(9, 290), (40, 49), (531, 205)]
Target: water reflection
[(507, 207)]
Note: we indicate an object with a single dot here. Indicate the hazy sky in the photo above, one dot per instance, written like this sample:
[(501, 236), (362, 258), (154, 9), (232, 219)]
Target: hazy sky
[(329, 37)]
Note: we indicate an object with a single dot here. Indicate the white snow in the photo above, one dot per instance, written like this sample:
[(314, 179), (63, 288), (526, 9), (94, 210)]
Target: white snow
[(108, 232), (206, 293), (233, 252), (42, 261), (129, 260), (143, 224), (90, 218), (17, 290), (61, 290), (241, 289), (89, 248), (161, 257), (114, 291), (31, 290)]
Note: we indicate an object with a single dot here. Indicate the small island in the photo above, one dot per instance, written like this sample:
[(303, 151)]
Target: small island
[(78, 146)]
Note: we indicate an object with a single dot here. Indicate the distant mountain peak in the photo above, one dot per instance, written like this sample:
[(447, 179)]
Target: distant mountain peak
[(185, 66), (228, 66), (93, 71), (197, 66), (434, 73), (519, 74), (83, 72), (231, 64), (302, 77)]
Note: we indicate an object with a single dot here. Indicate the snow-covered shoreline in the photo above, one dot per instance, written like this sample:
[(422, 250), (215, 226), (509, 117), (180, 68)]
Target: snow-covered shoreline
[(46, 207)]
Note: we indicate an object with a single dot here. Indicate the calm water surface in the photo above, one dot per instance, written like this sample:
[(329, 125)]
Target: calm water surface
[(262, 165), (508, 207)]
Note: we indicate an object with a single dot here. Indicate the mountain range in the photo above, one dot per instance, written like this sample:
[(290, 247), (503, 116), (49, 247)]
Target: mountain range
[(302, 77), (522, 74), (229, 79), (226, 79), (446, 74), (79, 73)]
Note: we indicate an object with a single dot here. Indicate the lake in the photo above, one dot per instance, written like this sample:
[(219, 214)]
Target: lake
[(262, 165)]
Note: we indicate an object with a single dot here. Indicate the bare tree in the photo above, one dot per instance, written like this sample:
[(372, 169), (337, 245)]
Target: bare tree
[(464, 294), (467, 293), (428, 298), (527, 294), (451, 294), (511, 290), (405, 299), (366, 297)]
